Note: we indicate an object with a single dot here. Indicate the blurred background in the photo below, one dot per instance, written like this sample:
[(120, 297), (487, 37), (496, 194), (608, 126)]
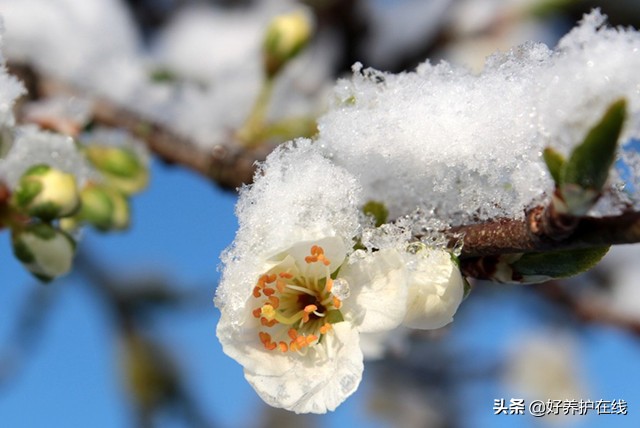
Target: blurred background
[(128, 339)]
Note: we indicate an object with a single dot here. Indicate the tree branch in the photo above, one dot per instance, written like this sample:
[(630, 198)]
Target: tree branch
[(532, 234), (229, 165)]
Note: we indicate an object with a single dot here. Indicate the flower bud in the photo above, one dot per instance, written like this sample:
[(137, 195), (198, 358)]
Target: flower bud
[(46, 193), (436, 289), (104, 207), (121, 167), (286, 36), (44, 250)]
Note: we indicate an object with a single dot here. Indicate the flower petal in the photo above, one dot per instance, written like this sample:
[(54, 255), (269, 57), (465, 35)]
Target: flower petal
[(436, 289), (314, 381), (378, 284)]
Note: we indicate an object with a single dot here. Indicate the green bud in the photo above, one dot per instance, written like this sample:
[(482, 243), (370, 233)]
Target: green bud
[(122, 168), (585, 172), (44, 250), (555, 163), (46, 193), (377, 210), (104, 207), (286, 36)]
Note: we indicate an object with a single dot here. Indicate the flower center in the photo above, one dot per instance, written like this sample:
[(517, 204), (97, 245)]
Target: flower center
[(296, 310)]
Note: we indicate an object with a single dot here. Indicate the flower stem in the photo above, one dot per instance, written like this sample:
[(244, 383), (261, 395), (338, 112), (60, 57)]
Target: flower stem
[(251, 133)]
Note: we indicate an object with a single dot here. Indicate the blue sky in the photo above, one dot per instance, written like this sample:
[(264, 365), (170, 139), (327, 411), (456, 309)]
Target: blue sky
[(181, 224)]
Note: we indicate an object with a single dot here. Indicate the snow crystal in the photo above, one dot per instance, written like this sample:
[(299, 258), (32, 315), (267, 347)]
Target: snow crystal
[(298, 195), (10, 90), (466, 147), (32, 146)]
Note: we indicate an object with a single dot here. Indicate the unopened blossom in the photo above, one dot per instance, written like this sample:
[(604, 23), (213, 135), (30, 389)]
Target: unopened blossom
[(45, 251), (299, 339), (47, 193), (436, 288), (286, 36)]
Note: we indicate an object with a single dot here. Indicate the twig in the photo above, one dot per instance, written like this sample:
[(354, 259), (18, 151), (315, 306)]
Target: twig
[(228, 165), (505, 236)]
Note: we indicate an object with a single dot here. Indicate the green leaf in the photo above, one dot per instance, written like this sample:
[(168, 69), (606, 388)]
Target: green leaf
[(377, 210), (589, 164), (557, 264), (555, 163)]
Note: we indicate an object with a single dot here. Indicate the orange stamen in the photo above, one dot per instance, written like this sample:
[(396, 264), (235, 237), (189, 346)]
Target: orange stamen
[(268, 291), (325, 328), (329, 286), (336, 302), (268, 323), (293, 333), (257, 312), (283, 346), (256, 292), (264, 337), (275, 302), (286, 275)]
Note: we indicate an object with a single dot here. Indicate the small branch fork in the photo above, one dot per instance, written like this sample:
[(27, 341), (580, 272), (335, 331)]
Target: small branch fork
[(544, 230)]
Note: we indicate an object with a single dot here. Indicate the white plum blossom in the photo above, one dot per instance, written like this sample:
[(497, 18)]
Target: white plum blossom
[(296, 294), (299, 341), (436, 289)]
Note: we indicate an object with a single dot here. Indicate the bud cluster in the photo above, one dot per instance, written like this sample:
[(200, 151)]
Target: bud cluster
[(49, 203)]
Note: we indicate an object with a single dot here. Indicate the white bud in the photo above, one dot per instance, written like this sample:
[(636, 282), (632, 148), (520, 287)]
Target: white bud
[(45, 251), (47, 193), (436, 289)]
